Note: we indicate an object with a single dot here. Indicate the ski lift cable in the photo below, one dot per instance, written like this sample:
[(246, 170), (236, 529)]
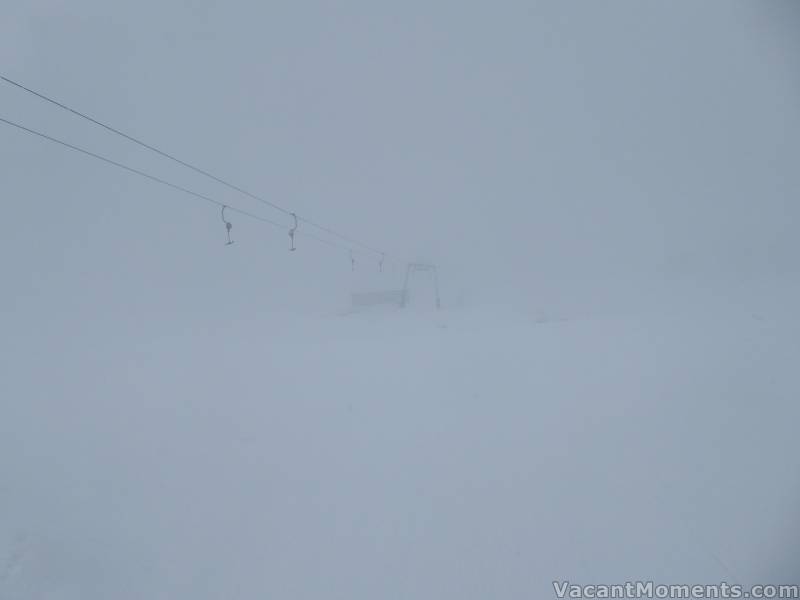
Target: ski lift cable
[(166, 183), (203, 172)]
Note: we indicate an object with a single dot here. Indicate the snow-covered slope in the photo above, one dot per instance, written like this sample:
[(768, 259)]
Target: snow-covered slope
[(462, 454)]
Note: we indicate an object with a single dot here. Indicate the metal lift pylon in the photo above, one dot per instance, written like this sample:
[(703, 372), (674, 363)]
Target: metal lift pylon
[(415, 267)]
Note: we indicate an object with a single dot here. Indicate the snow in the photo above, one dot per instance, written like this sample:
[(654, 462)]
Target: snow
[(474, 452)]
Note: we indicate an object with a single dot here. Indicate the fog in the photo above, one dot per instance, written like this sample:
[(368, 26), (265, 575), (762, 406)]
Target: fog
[(609, 192)]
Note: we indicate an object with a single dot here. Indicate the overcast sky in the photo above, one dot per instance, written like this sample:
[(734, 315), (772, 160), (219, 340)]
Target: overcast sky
[(519, 144)]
